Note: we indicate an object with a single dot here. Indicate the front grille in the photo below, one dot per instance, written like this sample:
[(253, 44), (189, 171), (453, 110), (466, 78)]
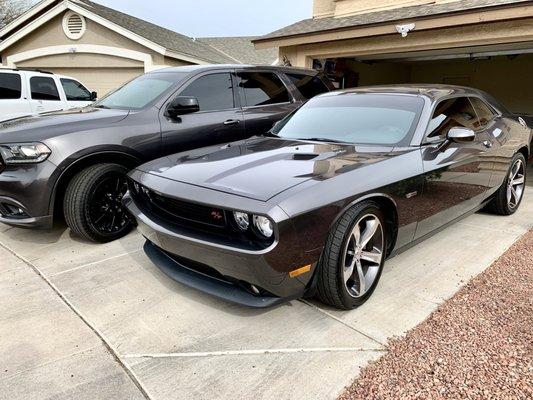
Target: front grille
[(187, 211)]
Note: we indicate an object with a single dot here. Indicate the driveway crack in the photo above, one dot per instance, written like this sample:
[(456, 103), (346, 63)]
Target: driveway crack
[(104, 341)]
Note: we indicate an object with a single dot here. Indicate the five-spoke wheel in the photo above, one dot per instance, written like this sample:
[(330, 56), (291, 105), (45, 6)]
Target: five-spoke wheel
[(353, 257)]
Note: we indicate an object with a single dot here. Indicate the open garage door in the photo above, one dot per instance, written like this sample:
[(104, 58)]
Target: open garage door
[(504, 71)]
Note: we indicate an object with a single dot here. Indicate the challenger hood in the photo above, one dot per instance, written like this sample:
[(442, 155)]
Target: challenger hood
[(44, 126), (261, 168)]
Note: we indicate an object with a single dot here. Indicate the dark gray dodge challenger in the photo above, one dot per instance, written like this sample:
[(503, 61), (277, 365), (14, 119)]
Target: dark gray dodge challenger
[(316, 205)]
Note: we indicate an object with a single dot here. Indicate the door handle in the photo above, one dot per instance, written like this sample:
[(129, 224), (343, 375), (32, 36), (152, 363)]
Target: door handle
[(487, 144), (232, 122)]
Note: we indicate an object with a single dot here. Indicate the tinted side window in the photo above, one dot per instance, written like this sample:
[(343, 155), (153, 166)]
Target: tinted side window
[(214, 92), (43, 88), (262, 88), (484, 112), (451, 113), (10, 86), (75, 91), (309, 86)]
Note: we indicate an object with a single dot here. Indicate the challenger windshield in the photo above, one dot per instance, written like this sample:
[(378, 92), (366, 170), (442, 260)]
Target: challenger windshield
[(141, 91), (379, 119)]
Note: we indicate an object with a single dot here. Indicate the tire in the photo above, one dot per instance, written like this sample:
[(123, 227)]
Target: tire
[(87, 208), (331, 287), (500, 204)]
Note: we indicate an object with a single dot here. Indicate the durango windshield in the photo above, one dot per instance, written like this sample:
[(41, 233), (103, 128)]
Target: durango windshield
[(141, 91), (378, 119)]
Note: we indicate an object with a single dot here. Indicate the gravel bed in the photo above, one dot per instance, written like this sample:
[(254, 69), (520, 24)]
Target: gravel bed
[(477, 345)]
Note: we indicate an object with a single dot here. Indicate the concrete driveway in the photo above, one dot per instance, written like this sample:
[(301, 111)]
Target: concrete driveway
[(88, 321)]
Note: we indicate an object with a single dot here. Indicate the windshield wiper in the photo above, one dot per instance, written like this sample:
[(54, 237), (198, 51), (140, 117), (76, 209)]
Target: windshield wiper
[(269, 134), (102, 106), (321, 139)]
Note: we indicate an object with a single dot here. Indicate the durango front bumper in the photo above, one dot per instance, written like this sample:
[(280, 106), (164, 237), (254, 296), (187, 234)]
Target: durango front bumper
[(253, 278), (25, 195)]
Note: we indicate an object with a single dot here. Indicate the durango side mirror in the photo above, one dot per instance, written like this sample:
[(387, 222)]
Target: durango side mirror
[(182, 105), (94, 96), (461, 135)]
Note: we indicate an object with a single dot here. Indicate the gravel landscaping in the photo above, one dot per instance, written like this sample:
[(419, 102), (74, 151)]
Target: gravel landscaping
[(477, 345)]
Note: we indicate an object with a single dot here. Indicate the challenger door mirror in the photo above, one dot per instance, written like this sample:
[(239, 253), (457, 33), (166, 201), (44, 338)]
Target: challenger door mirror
[(461, 135), (94, 96), (182, 105)]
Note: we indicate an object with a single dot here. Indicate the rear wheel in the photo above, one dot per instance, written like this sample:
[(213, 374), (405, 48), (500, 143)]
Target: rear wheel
[(353, 257), (509, 196), (93, 203)]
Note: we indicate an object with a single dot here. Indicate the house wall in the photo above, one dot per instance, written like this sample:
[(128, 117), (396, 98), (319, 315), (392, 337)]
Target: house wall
[(342, 8), (99, 72)]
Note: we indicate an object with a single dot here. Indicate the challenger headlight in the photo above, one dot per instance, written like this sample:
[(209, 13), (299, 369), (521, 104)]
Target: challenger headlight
[(24, 153), (264, 226)]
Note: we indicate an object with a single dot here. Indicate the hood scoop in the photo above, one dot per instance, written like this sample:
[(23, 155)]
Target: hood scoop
[(304, 156)]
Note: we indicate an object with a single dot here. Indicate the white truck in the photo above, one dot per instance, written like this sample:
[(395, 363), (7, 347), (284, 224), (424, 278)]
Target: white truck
[(27, 92)]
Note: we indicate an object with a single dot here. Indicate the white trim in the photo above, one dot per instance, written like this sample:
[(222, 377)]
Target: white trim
[(66, 5), (82, 48), (25, 16), (65, 23)]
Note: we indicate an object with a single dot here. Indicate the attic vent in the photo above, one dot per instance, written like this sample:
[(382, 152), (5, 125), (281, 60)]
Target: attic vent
[(73, 25)]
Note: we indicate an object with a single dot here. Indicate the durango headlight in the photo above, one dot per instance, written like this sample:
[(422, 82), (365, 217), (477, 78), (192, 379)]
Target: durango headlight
[(264, 226), (24, 153)]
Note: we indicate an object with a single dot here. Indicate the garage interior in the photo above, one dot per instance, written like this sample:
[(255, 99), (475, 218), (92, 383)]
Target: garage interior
[(504, 71)]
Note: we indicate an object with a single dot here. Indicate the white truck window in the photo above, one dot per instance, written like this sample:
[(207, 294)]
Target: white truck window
[(75, 91), (43, 88), (10, 86)]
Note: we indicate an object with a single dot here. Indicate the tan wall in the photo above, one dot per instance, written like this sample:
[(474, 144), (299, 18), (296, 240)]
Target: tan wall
[(341, 8), (101, 80), (99, 72), (510, 81), (471, 35), (51, 34)]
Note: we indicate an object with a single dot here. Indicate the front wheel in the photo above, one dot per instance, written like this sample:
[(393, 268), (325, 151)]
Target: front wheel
[(353, 257), (509, 196), (93, 203)]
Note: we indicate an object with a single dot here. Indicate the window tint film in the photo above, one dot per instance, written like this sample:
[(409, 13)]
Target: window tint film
[(484, 112), (262, 88), (43, 88), (363, 119), (75, 91), (456, 112), (214, 92), (309, 86), (10, 86)]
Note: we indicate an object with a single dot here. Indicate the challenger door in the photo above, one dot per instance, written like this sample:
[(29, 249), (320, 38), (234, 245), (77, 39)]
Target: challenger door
[(456, 175)]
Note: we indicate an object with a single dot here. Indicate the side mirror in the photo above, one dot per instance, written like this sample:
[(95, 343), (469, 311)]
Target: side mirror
[(94, 96), (182, 105), (461, 135)]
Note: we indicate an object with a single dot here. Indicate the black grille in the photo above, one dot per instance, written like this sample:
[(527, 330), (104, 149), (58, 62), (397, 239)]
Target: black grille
[(183, 211)]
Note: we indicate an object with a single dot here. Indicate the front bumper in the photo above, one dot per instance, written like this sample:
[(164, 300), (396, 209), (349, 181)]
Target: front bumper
[(234, 270), (28, 188)]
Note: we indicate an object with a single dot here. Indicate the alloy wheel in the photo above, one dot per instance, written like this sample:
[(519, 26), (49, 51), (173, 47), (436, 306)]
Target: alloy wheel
[(363, 254), (515, 185), (106, 213)]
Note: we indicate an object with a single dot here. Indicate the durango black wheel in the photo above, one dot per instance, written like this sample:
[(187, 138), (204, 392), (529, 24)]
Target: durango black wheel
[(353, 257), (93, 203), (509, 196)]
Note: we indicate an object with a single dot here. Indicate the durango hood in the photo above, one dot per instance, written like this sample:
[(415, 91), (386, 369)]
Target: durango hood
[(261, 168), (44, 126)]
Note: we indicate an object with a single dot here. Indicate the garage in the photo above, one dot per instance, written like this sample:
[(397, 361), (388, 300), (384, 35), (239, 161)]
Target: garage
[(486, 44), (502, 71)]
